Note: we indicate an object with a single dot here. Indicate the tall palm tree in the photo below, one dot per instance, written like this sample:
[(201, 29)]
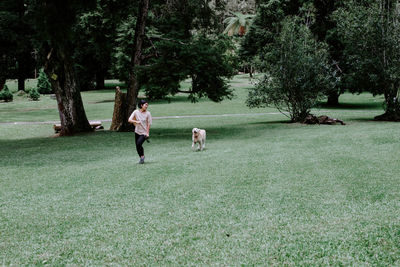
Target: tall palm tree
[(238, 24)]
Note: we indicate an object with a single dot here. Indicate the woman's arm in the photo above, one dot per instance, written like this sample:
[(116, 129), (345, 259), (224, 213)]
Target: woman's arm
[(149, 121), (132, 119)]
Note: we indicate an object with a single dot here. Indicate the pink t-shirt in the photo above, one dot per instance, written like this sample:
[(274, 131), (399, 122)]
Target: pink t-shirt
[(145, 121)]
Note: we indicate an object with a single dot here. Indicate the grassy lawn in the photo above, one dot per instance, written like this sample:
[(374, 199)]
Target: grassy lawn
[(99, 105), (264, 192)]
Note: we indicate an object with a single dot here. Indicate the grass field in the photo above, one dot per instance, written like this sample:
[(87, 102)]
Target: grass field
[(264, 192)]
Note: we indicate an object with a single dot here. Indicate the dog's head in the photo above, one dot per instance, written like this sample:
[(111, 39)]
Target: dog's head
[(195, 131)]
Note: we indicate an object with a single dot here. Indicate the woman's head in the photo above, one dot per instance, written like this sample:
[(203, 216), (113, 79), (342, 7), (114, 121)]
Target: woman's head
[(141, 103)]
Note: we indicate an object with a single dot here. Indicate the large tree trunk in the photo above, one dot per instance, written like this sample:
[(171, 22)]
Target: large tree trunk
[(21, 83), (100, 76), (133, 83), (119, 114), (3, 71), (392, 107), (2, 83), (60, 69)]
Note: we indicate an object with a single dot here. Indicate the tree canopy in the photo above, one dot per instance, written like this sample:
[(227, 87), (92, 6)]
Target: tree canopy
[(298, 72), (371, 35), (154, 45)]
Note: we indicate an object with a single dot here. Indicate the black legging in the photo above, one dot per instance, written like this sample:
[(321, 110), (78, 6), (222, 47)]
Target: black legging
[(139, 140)]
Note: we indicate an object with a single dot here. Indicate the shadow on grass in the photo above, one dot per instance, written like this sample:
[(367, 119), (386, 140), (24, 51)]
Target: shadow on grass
[(176, 134), (59, 151), (103, 101), (167, 100), (371, 120), (174, 99), (354, 106), (284, 122), (108, 145), (103, 141)]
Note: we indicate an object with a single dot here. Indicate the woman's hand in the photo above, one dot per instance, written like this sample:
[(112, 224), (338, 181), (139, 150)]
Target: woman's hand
[(134, 121)]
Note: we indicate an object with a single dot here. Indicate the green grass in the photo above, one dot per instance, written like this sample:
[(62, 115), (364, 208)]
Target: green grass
[(99, 105), (264, 192)]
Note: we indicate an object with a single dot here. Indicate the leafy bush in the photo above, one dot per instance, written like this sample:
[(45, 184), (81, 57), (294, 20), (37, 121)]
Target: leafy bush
[(34, 94), (6, 95), (298, 72), (43, 85)]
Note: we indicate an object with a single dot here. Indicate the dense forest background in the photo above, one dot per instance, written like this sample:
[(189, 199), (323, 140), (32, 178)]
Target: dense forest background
[(306, 51)]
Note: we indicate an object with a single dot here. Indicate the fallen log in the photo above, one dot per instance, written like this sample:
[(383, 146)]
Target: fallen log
[(311, 119), (96, 125)]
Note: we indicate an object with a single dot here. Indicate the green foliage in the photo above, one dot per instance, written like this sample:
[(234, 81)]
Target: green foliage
[(6, 95), (175, 49), (268, 23), (125, 33), (34, 94), (16, 34), (298, 72), (238, 24), (371, 36), (265, 27), (59, 30), (191, 60), (96, 38), (43, 84)]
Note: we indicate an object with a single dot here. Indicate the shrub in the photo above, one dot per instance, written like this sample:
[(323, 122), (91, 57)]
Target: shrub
[(43, 85), (34, 94), (298, 72), (6, 95)]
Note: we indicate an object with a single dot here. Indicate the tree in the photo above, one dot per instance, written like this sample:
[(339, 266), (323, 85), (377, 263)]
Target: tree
[(268, 23), (264, 29), (97, 33), (245, 6), (326, 31), (238, 24), (135, 61), (371, 35), (172, 44), (15, 42), (192, 60), (298, 72), (43, 84), (55, 21)]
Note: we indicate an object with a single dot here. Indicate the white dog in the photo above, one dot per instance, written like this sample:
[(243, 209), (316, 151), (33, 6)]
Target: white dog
[(199, 137)]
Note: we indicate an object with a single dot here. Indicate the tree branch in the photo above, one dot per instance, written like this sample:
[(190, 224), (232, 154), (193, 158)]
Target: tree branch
[(167, 39), (185, 92), (145, 57)]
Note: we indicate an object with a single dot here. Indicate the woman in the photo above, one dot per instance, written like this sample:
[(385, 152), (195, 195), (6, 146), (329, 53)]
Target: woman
[(142, 120)]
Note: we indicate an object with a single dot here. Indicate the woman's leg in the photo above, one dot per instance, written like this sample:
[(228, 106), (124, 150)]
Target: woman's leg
[(139, 142)]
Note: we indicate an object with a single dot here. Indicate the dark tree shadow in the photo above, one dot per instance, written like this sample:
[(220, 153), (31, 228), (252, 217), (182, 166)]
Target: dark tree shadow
[(354, 106)]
